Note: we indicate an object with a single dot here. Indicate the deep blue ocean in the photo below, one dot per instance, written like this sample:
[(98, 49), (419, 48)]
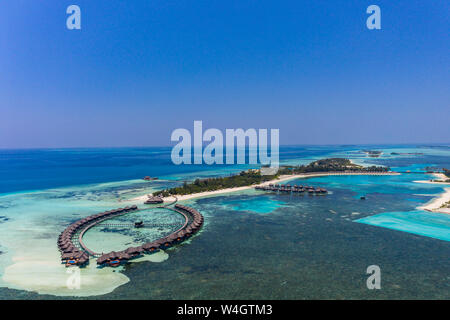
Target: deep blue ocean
[(254, 245), (37, 169)]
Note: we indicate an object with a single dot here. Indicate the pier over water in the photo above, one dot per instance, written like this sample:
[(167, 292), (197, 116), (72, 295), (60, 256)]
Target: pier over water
[(75, 253)]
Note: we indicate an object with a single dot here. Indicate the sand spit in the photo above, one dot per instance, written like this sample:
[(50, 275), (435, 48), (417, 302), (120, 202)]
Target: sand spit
[(275, 181)]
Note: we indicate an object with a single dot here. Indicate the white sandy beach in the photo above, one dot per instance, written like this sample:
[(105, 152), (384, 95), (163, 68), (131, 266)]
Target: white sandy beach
[(439, 176), (275, 181), (435, 204)]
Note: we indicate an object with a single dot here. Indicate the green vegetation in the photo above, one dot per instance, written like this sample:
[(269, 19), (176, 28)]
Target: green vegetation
[(446, 205), (245, 178), (327, 165), (251, 177), (447, 173)]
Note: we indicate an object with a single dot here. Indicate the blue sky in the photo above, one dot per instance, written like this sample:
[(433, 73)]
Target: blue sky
[(139, 69)]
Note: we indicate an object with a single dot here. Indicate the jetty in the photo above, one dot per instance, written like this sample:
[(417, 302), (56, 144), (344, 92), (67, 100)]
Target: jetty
[(287, 188)]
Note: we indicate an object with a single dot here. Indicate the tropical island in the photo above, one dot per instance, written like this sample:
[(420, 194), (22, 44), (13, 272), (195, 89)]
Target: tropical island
[(254, 177), (373, 153), (407, 153), (444, 177), (330, 165), (446, 205)]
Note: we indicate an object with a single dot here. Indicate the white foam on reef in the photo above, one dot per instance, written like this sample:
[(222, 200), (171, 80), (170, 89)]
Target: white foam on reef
[(46, 276), (33, 262), (30, 259)]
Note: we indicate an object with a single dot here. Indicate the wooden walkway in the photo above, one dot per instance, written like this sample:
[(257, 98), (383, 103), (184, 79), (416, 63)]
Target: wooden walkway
[(166, 206), (83, 231)]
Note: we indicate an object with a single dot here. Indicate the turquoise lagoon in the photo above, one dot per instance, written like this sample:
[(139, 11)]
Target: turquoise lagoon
[(254, 245), (430, 224)]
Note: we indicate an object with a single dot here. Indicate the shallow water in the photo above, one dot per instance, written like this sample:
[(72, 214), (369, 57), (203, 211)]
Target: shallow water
[(253, 245), (298, 251), (435, 225)]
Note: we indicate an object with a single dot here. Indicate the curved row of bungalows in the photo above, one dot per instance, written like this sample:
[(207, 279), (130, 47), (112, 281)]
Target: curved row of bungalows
[(197, 218), (70, 254), (114, 259)]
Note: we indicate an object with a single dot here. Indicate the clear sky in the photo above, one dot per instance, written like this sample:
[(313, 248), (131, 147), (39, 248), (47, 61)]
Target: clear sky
[(139, 69)]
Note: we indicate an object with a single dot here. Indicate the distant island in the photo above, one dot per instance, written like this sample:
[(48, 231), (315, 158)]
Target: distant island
[(373, 153), (254, 176), (444, 177), (406, 153), (330, 165), (148, 178)]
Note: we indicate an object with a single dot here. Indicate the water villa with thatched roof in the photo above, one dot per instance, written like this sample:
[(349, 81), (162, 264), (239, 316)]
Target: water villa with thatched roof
[(153, 200)]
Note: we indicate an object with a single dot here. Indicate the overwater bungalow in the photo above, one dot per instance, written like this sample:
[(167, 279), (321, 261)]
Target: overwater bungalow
[(77, 258), (67, 256), (154, 200), (166, 243), (102, 259), (134, 251), (114, 262), (70, 248), (113, 259), (151, 246), (181, 235), (173, 238)]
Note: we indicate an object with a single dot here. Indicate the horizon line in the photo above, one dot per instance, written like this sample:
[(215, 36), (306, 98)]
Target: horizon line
[(443, 144)]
